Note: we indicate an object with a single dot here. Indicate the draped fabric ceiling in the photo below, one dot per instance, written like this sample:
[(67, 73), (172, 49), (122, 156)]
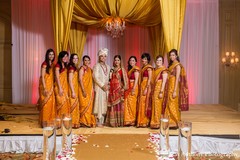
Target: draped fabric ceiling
[(164, 18)]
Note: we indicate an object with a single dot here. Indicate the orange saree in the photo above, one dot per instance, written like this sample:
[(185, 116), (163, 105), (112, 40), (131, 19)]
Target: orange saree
[(157, 103), (62, 102), (130, 102), (144, 100), (180, 102), (74, 102), (86, 103), (47, 103)]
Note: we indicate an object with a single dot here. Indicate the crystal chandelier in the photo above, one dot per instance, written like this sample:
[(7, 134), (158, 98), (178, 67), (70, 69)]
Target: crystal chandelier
[(115, 26)]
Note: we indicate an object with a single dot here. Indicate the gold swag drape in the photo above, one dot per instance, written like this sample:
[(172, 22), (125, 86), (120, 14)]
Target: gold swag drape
[(157, 40), (172, 13), (94, 13), (78, 35), (62, 11)]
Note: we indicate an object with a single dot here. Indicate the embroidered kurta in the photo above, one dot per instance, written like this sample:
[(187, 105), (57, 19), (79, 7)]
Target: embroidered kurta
[(101, 78)]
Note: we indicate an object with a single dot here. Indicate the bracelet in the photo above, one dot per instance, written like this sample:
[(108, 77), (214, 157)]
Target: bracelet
[(161, 92)]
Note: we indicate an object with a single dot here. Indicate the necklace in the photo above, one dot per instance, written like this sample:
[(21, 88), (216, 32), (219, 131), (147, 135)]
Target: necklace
[(116, 69), (104, 68), (85, 68)]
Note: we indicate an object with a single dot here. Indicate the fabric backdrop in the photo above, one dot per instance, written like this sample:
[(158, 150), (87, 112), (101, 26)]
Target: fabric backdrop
[(169, 14), (200, 50), (32, 35)]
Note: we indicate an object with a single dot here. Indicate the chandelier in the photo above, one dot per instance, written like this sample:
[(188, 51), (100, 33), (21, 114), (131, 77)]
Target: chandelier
[(230, 60), (115, 26)]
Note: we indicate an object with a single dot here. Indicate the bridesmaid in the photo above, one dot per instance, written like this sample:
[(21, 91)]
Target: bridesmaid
[(46, 102), (73, 89), (61, 85), (130, 103), (160, 75), (177, 90), (144, 111), (86, 94)]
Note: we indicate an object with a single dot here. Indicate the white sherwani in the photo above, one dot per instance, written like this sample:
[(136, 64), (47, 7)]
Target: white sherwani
[(100, 78)]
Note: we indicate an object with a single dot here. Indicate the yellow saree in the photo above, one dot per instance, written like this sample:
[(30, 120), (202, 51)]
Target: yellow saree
[(47, 103), (130, 102), (74, 102), (174, 105), (144, 100), (62, 102), (157, 103), (86, 103)]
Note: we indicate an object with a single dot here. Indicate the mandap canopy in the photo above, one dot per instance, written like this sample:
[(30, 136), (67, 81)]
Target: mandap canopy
[(164, 18)]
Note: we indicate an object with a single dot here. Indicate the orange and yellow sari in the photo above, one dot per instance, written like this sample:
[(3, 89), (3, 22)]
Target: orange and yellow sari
[(86, 103), (180, 102), (130, 102), (74, 102), (62, 102), (47, 103), (144, 101), (157, 103)]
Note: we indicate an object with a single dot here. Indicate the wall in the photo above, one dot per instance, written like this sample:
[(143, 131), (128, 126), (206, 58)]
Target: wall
[(229, 24), (5, 52)]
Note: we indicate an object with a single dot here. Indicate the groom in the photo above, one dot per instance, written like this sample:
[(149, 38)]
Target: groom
[(101, 78)]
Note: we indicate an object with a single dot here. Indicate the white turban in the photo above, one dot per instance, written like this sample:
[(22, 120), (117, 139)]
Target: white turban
[(103, 51)]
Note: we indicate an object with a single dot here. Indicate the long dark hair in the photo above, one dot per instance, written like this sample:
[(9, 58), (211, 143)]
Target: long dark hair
[(176, 53), (60, 57), (146, 55), (71, 64), (129, 66), (47, 59), (117, 56)]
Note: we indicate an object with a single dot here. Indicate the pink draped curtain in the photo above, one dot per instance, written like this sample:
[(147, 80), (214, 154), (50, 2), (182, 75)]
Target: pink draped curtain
[(134, 42), (200, 50)]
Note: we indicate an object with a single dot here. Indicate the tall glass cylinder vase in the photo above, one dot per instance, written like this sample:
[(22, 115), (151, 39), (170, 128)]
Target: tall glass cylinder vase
[(58, 122), (184, 140), (164, 136), (49, 141), (58, 127), (66, 131)]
